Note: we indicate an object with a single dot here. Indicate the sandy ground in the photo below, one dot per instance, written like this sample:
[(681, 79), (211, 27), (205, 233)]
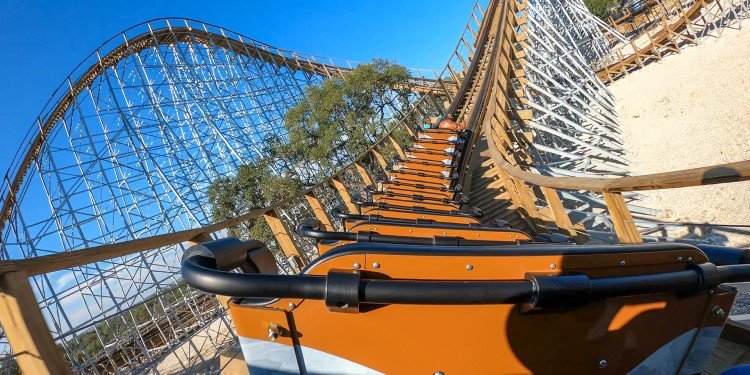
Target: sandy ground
[(200, 354), (693, 110)]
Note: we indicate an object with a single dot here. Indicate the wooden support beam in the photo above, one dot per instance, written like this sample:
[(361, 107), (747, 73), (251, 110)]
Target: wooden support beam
[(410, 130), (562, 220), (379, 157), (526, 200), (520, 204), (525, 114), (625, 227), (319, 211), (27, 331), (281, 233), (456, 77), (364, 174), (344, 194), (398, 148), (200, 238)]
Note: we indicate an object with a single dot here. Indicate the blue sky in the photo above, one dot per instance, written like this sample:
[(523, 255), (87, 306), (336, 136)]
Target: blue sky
[(41, 42)]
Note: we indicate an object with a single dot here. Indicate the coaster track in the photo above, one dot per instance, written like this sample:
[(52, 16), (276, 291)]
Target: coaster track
[(661, 28)]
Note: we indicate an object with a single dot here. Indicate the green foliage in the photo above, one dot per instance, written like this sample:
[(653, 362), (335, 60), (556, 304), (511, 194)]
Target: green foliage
[(344, 115), (602, 8), (255, 186)]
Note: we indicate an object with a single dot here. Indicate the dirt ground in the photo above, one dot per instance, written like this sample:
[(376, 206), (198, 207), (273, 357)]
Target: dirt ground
[(692, 110), (200, 354)]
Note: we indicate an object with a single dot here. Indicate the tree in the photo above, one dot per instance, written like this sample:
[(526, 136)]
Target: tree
[(334, 121), (255, 186), (602, 8), (344, 116)]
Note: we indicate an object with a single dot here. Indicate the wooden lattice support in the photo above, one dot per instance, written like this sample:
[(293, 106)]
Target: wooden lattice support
[(397, 146), (528, 210), (362, 171), (519, 127), (379, 158), (675, 23), (25, 327), (561, 217)]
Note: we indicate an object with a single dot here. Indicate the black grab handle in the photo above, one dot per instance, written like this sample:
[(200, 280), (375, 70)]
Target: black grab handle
[(339, 213), (476, 212), (206, 266), (311, 228)]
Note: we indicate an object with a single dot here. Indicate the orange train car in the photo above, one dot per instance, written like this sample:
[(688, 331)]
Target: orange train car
[(413, 285), (372, 308)]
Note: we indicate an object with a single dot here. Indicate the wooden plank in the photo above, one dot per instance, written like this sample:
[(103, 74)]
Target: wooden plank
[(63, 260), (408, 129), (55, 262), (516, 199), (380, 158), (398, 147), (319, 211), (281, 233), (344, 194), (527, 199), (200, 238), (625, 227), (716, 174), (25, 327), (364, 174), (562, 220), (560, 215), (525, 114), (737, 331)]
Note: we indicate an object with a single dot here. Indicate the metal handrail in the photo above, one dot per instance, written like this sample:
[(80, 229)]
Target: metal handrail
[(206, 267)]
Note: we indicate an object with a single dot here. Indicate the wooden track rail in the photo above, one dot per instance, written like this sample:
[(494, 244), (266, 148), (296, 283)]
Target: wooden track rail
[(662, 27), (508, 156)]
